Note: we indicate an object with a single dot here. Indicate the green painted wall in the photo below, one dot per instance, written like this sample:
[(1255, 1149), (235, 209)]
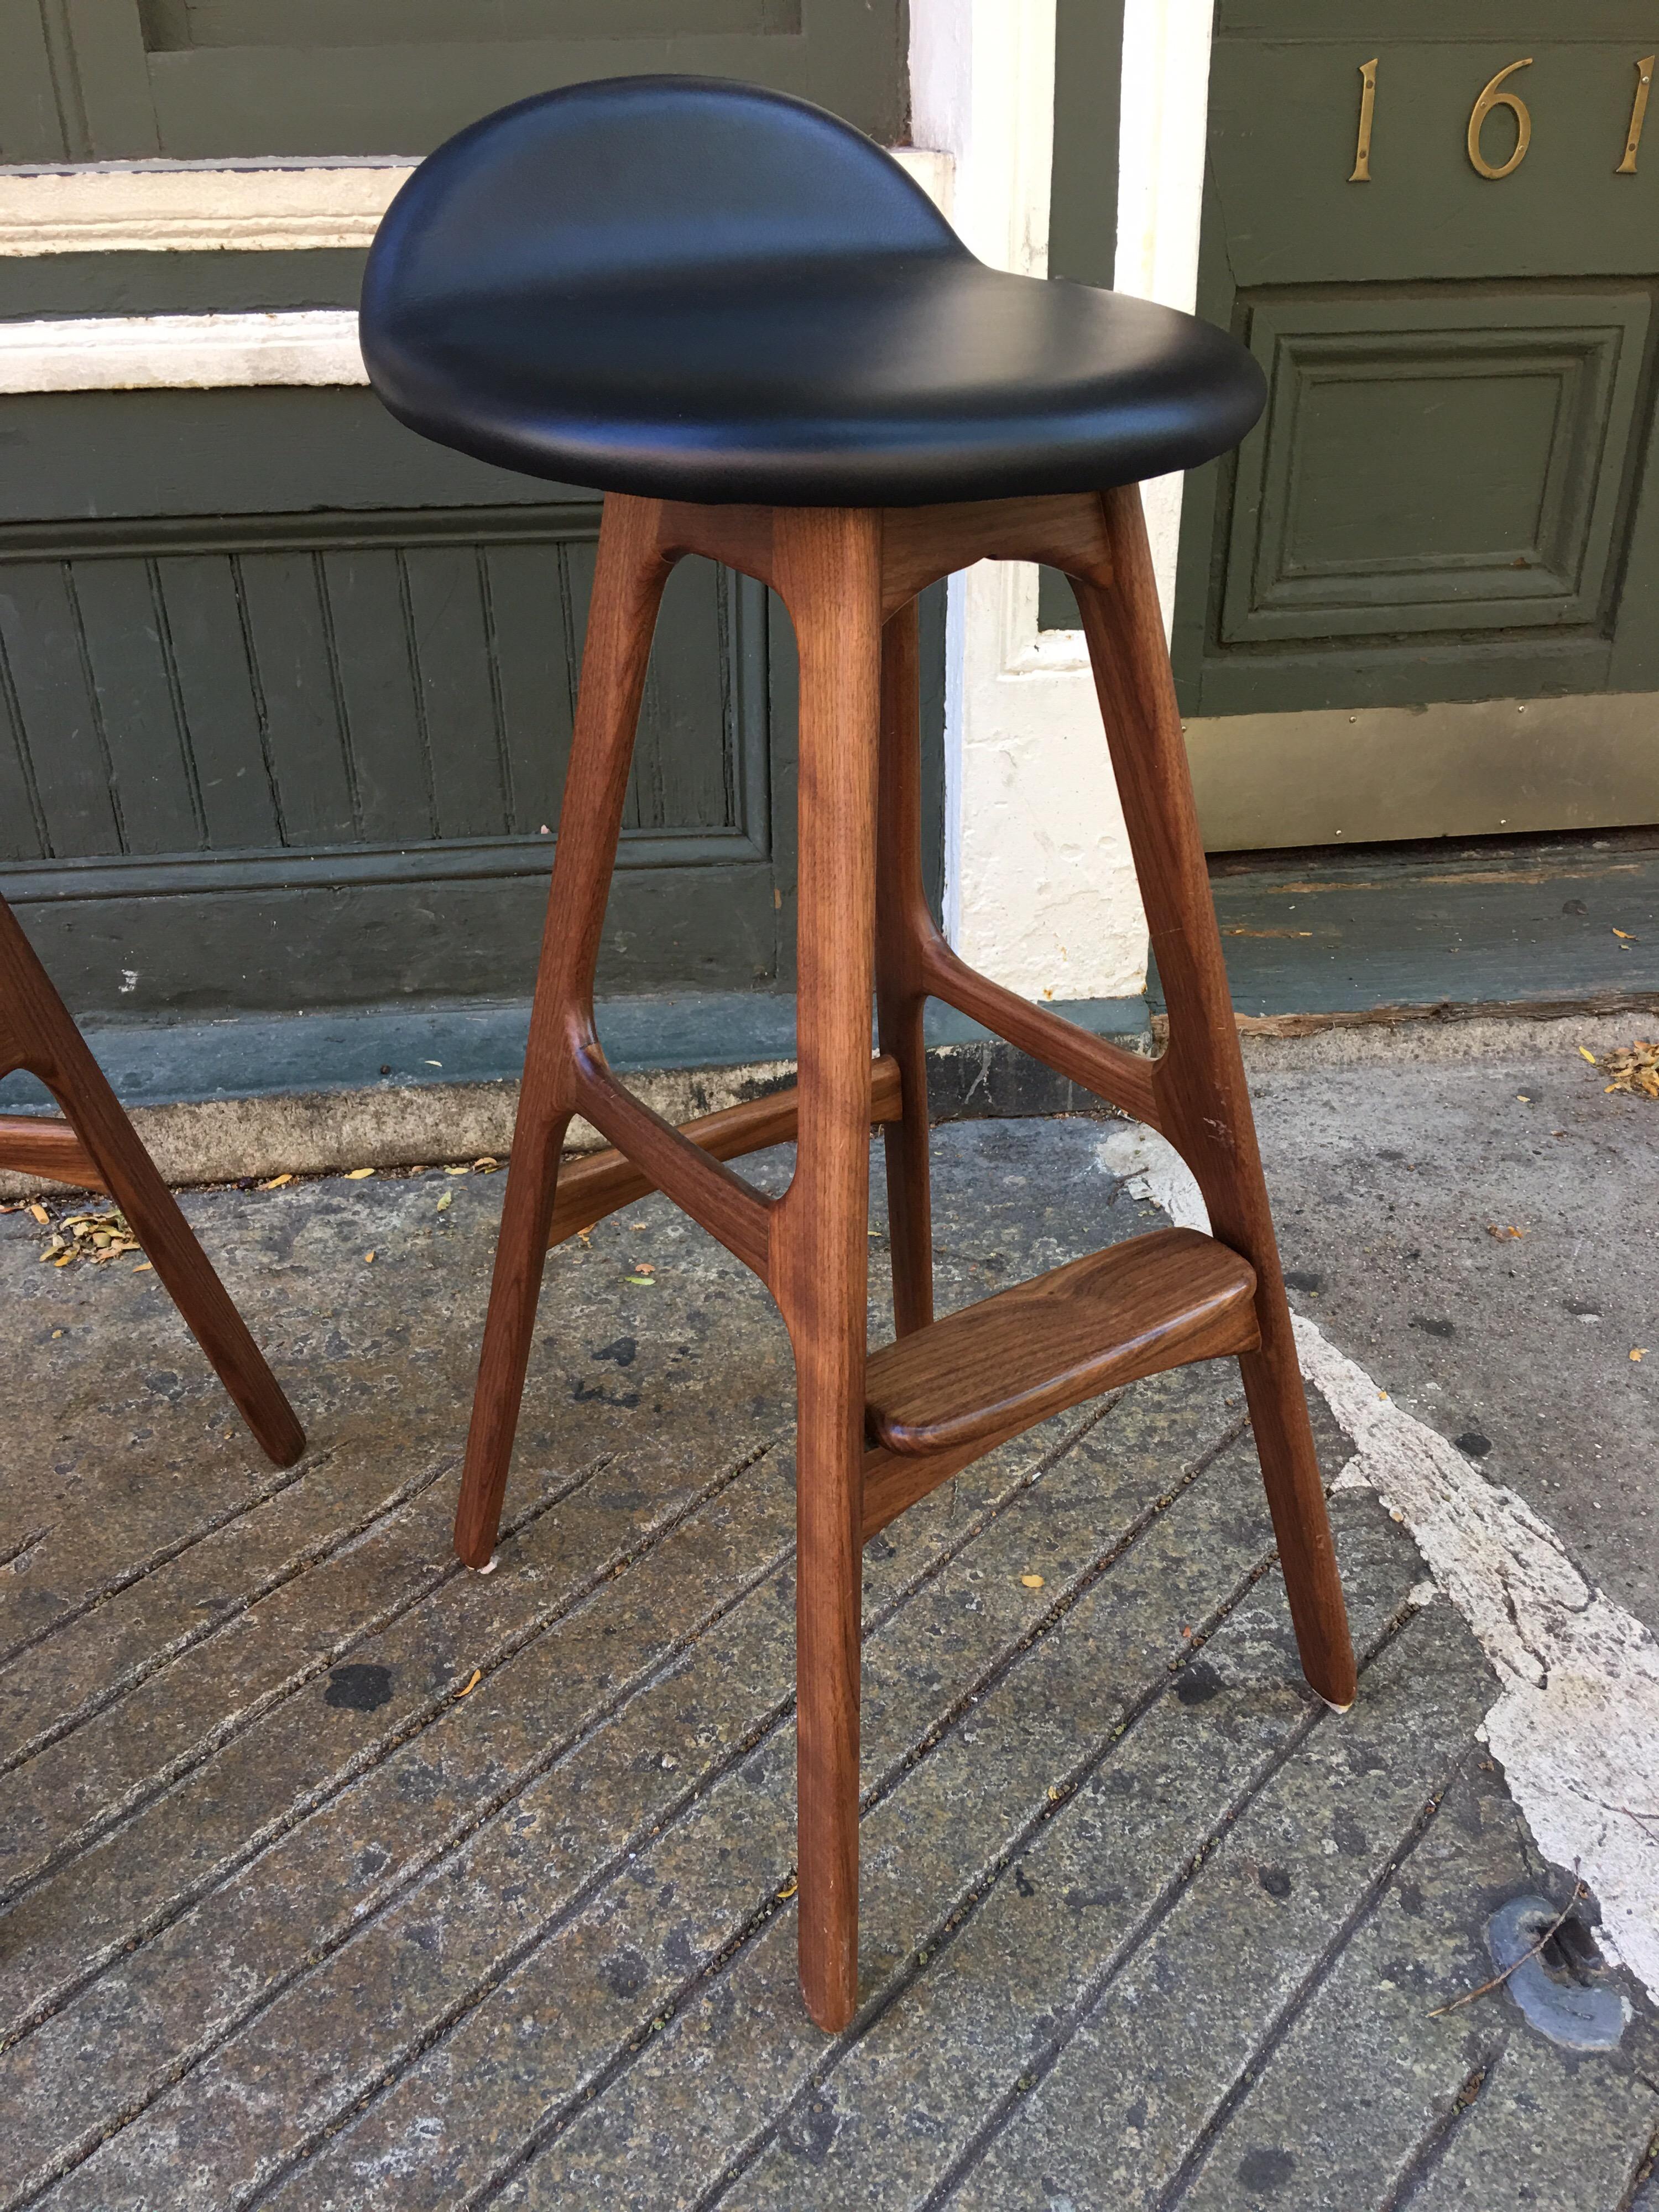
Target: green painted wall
[(1451, 496), (97, 80)]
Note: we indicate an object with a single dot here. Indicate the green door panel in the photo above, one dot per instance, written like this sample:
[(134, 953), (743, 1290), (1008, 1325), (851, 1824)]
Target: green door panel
[(1434, 462), (198, 79), (286, 701), (201, 712), (1447, 498)]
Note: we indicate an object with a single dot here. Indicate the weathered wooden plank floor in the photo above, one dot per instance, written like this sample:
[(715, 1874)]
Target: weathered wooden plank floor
[(294, 1917)]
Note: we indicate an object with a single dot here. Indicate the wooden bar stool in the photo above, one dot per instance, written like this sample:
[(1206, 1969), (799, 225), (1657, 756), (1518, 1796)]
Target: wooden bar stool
[(96, 1148), (745, 323)]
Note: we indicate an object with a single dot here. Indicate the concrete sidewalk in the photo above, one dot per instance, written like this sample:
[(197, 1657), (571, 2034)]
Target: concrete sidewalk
[(338, 1876)]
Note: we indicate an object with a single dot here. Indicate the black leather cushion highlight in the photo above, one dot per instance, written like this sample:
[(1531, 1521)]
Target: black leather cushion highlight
[(691, 290)]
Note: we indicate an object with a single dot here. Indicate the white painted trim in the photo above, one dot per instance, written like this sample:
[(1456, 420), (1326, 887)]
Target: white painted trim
[(138, 353), (1165, 107), (1039, 889), (160, 208), (315, 346), (260, 207)]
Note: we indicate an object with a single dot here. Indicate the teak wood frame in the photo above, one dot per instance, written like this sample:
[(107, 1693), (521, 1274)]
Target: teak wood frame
[(96, 1148), (849, 578)]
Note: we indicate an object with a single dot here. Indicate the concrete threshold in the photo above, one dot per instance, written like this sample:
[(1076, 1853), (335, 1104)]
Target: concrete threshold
[(256, 1096)]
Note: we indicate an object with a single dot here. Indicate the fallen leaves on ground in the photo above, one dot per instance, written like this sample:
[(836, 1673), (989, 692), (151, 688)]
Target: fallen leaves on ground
[(357, 1175), (95, 1236), (1640, 1352), (1496, 1229), (1633, 1068), (1032, 1581), (276, 1182), (470, 1687)]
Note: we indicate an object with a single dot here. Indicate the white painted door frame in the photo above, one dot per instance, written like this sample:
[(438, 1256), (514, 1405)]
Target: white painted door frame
[(1040, 892)]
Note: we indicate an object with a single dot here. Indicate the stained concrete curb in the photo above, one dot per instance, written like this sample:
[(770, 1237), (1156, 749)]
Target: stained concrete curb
[(217, 1140), (225, 1139)]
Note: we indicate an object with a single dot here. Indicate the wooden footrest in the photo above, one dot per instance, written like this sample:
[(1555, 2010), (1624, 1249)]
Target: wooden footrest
[(996, 1368)]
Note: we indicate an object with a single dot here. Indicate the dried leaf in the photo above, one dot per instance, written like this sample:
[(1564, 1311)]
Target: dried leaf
[(789, 1890), (478, 1677), (1640, 1352), (1032, 1581), (1626, 934), (486, 1165), (1635, 1068), (448, 1199), (143, 1268), (1493, 1229), (1590, 1057), (276, 1182), (40, 1214), (369, 1258), (356, 1175)]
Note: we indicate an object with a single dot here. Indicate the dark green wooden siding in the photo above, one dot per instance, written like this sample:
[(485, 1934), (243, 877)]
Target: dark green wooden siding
[(96, 80), (1451, 494), (285, 692), (312, 751)]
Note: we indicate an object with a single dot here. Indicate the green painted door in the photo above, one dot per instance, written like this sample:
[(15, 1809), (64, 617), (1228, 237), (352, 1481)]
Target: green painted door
[(99, 80), (285, 692), (1424, 598)]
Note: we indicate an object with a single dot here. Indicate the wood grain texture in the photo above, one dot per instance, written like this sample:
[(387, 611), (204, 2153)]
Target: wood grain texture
[(40, 1037), (904, 926), (1203, 1105), (1012, 1360), (1122, 1079), (827, 567), (630, 574), (944, 1392), (590, 1188), (700, 1184), (32, 1145)]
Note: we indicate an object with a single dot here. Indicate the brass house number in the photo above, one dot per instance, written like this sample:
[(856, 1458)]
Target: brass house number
[(1498, 94)]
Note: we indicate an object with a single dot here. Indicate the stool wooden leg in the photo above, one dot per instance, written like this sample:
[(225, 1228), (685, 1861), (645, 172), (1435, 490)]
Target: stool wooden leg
[(904, 926), (47, 1040), (1204, 1091), (827, 569), (629, 579)]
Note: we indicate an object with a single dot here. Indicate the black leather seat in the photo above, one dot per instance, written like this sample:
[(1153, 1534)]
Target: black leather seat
[(692, 290)]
